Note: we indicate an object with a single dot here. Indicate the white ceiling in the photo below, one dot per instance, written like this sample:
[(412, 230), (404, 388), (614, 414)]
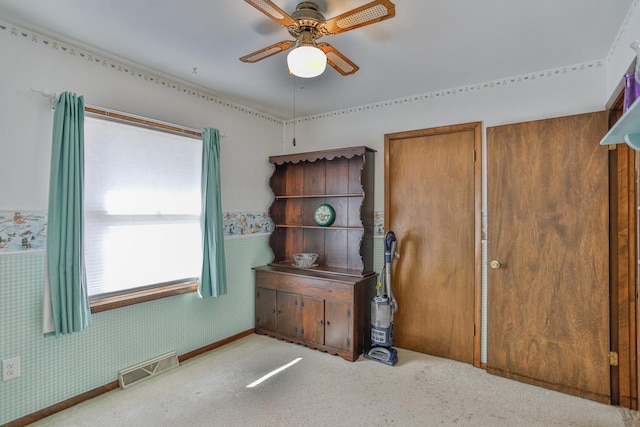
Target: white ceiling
[(428, 46)]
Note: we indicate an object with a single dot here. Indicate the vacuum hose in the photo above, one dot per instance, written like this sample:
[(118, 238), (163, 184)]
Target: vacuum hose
[(390, 244)]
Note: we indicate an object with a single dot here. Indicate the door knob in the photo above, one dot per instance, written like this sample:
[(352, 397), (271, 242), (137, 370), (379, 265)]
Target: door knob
[(495, 264)]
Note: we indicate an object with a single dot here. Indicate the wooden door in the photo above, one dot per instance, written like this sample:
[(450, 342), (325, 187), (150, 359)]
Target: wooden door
[(548, 300), (289, 314), (313, 319), (432, 203), (337, 332), (266, 312)]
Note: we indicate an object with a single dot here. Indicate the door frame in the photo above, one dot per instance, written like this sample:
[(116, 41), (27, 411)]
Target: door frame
[(625, 319), (476, 128)]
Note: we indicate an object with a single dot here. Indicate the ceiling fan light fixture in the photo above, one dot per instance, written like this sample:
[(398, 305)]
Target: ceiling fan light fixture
[(307, 61), (306, 25)]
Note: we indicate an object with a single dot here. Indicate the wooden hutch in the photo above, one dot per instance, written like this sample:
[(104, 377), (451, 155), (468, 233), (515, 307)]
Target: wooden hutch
[(326, 307)]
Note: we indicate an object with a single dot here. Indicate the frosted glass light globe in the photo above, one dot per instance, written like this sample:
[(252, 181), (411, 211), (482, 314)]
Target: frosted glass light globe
[(307, 61)]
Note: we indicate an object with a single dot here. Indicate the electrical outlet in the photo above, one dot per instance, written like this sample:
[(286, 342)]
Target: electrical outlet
[(10, 368)]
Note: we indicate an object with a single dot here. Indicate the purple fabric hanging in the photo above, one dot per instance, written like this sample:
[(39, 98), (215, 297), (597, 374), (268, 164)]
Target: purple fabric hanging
[(631, 90)]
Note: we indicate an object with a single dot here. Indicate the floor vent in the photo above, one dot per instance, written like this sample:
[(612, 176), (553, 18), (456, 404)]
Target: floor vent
[(147, 369)]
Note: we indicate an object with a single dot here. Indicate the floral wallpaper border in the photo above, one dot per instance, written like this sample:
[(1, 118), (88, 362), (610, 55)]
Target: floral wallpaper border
[(378, 224), (22, 231), (244, 223)]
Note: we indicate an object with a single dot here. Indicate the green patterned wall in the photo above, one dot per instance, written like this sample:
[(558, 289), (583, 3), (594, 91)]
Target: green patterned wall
[(55, 369)]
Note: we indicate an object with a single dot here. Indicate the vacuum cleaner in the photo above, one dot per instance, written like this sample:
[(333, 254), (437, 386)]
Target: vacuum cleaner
[(383, 306)]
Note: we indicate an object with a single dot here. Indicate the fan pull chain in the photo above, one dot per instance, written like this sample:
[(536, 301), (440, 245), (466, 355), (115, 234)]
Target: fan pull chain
[(294, 111)]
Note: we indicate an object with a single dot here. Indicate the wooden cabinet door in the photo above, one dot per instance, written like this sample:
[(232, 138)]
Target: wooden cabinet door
[(548, 227), (289, 314), (313, 319), (266, 313), (337, 327)]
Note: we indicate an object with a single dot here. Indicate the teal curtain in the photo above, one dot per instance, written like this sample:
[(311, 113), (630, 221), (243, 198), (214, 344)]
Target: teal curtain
[(213, 279), (65, 256)]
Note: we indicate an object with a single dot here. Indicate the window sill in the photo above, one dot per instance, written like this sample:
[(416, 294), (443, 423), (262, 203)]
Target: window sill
[(132, 298)]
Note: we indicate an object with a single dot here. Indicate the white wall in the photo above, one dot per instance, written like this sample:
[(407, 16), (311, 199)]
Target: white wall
[(26, 119), (551, 93)]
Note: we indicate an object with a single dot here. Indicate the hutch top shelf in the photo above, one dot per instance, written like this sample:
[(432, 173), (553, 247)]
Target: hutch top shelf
[(342, 178), (312, 156)]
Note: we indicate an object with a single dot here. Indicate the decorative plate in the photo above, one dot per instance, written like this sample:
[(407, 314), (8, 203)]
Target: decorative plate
[(324, 215)]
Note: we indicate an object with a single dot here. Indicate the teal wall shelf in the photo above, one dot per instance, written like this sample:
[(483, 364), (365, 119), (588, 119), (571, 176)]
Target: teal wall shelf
[(627, 129)]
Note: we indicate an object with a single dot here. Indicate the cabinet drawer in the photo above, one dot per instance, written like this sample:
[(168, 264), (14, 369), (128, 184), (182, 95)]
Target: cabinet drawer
[(311, 286)]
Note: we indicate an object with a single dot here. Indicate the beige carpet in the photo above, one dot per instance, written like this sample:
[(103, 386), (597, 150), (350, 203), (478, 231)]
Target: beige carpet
[(325, 390)]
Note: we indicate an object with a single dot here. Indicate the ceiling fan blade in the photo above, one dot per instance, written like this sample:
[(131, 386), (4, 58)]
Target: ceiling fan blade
[(268, 51), (370, 13), (341, 63), (272, 11)]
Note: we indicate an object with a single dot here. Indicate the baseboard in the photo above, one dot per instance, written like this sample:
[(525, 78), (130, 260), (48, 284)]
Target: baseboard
[(65, 404), (213, 346), (43, 413), (551, 386)]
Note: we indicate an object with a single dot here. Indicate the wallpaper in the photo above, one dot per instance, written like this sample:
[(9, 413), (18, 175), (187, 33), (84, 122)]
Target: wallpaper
[(22, 231), (57, 368)]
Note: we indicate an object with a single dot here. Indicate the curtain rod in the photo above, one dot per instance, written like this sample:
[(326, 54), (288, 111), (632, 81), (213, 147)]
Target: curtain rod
[(139, 120), (128, 117)]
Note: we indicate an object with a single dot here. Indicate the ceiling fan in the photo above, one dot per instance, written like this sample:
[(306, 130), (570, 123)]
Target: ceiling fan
[(307, 25)]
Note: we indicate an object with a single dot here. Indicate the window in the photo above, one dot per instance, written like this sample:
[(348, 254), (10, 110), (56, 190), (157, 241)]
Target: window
[(142, 207)]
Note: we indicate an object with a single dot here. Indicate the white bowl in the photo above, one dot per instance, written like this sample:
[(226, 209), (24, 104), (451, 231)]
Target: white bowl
[(305, 259)]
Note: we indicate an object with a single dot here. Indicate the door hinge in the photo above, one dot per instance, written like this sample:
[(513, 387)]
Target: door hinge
[(258, 294), (613, 358), (474, 329), (348, 313), (348, 342), (612, 147), (474, 155)]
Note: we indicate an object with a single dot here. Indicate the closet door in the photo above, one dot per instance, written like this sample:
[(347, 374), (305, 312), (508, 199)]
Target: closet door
[(432, 204), (548, 248)]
